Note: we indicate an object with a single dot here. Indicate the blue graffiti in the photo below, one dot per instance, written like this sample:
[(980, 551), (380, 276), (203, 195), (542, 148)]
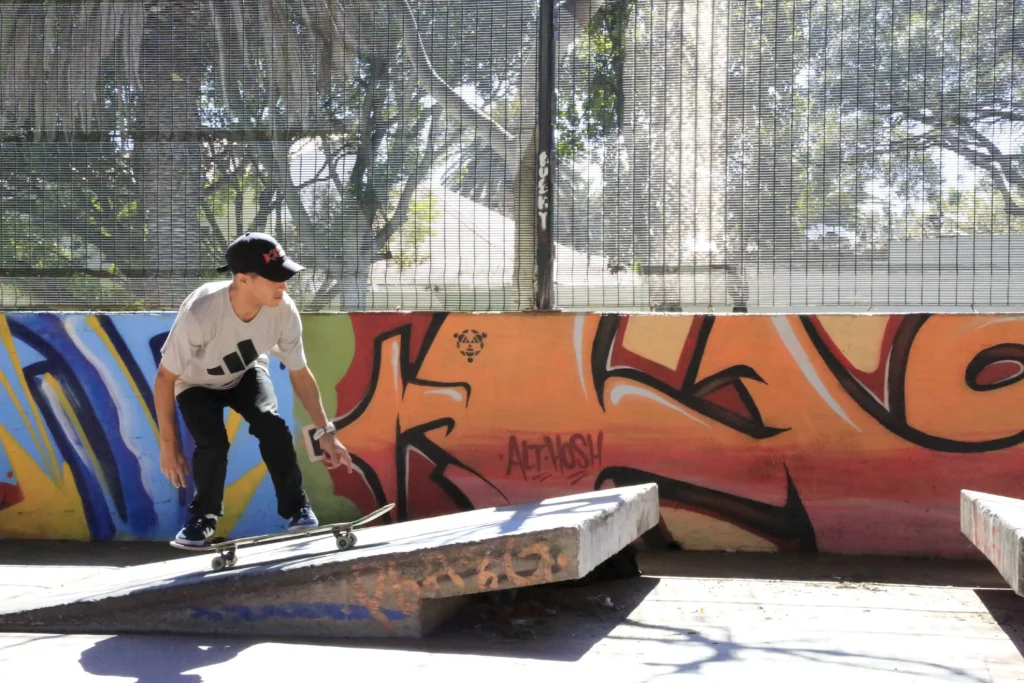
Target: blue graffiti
[(295, 610), (116, 488), (97, 371)]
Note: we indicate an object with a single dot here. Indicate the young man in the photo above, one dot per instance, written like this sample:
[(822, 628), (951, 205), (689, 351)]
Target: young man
[(215, 357)]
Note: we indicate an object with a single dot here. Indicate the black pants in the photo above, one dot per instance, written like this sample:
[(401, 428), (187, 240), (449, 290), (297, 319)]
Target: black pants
[(254, 399)]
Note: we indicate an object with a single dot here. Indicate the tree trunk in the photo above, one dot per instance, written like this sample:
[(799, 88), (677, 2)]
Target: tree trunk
[(678, 65), (168, 159)]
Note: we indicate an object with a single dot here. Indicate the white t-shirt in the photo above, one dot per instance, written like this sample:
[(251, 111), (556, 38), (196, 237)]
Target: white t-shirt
[(210, 346)]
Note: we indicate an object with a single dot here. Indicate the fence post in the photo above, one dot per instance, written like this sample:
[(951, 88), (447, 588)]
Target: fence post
[(545, 294)]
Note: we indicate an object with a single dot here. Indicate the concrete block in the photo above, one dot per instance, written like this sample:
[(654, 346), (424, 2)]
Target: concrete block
[(995, 525), (401, 580)]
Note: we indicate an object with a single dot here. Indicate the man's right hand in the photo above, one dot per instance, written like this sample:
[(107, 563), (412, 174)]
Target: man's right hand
[(173, 464)]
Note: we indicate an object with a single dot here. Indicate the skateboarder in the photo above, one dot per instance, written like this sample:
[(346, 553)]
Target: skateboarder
[(215, 356)]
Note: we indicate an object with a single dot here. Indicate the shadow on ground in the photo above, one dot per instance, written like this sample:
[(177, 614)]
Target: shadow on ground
[(566, 622), (163, 660), (1007, 610), (86, 553), (543, 622), (821, 567), (556, 624)]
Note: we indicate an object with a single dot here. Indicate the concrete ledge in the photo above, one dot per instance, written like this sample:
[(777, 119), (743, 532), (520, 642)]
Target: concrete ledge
[(995, 525), (401, 580)]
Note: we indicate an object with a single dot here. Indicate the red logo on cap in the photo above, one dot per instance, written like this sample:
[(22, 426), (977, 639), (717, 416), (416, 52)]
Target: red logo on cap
[(273, 255)]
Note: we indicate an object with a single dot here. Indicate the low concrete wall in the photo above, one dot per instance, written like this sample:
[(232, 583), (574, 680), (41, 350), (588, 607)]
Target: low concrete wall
[(851, 434)]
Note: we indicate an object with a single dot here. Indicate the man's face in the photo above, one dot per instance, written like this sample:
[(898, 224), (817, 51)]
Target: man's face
[(265, 292)]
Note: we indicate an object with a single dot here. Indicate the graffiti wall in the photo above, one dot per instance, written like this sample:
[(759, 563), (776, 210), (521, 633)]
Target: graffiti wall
[(848, 434)]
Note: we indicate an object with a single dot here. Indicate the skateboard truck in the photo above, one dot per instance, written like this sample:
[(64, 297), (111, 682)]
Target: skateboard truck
[(344, 538), (225, 559)]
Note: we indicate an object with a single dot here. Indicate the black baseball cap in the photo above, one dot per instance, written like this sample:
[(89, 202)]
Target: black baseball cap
[(258, 252)]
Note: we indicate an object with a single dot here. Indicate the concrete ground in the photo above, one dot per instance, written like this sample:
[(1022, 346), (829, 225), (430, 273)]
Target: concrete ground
[(691, 616)]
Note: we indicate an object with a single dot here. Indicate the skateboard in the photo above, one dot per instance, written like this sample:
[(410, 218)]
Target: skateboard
[(225, 549)]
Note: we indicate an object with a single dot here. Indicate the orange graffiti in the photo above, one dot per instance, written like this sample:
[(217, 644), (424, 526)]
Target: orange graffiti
[(835, 433)]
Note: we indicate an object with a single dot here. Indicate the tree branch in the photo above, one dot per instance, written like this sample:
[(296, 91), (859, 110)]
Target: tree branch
[(1003, 172), (455, 107), (268, 202), (333, 156), (982, 152), (401, 214), (222, 60), (281, 175), (1002, 114)]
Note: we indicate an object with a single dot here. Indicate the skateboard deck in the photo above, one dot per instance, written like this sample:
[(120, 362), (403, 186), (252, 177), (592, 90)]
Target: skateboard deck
[(226, 548)]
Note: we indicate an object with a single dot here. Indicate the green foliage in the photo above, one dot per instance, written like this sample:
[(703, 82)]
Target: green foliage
[(837, 106), (591, 108), (424, 211)]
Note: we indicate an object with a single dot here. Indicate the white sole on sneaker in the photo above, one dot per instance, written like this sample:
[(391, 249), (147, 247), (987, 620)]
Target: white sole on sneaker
[(192, 544)]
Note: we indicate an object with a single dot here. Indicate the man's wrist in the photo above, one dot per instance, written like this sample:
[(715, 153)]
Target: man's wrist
[(321, 432)]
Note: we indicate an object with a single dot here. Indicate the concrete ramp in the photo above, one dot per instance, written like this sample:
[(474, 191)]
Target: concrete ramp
[(401, 580), (995, 525)]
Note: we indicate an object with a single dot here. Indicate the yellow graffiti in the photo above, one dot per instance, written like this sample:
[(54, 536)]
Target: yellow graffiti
[(237, 497), (658, 339), (54, 499), (695, 531), (53, 389), (39, 434), (238, 494), (94, 325), (233, 423)]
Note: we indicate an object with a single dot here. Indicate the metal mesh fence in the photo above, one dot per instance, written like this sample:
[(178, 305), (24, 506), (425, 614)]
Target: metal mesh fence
[(792, 155), (772, 156), (380, 142)]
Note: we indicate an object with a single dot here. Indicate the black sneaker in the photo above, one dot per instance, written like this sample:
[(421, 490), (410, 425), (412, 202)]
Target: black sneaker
[(197, 531), (303, 519)]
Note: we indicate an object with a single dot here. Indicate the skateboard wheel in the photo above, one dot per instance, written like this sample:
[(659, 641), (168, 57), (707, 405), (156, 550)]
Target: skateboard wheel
[(218, 563), (346, 541), (230, 560)]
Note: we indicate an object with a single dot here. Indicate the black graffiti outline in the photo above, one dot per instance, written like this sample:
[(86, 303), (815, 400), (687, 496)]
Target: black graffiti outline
[(752, 515), (690, 393), (788, 526), (58, 366), (416, 437), (994, 354), (409, 369), (894, 418)]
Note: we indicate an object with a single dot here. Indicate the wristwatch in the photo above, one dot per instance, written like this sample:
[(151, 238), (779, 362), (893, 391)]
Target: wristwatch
[(329, 428)]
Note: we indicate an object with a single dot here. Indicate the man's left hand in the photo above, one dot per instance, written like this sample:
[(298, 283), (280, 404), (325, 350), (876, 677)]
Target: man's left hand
[(335, 454)]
